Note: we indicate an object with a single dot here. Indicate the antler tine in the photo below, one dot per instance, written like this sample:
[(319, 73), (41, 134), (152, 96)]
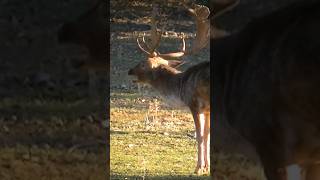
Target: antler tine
[(139, 45), (155, 36), (144, 42), (176, 54), (201, 14)]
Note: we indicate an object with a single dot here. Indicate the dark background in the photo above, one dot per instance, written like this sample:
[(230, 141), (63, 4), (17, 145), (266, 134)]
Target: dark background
[(43, 97), (33, 64), (49, 126)]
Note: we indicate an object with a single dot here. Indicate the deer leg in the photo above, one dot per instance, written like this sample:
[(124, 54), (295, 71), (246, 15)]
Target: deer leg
[(200, 162), (206, 138)]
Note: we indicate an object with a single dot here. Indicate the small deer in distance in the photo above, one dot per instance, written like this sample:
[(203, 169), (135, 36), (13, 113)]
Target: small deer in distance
[(191, 87)]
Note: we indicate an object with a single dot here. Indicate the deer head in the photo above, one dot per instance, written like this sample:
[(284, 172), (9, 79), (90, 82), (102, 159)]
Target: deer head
[(146, 69)]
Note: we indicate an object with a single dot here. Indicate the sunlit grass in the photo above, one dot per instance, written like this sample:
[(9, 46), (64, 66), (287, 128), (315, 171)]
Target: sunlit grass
[(150, 142)]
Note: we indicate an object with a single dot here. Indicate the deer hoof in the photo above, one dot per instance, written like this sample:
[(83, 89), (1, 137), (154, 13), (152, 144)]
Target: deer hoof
[(198, 171), (202, 170)]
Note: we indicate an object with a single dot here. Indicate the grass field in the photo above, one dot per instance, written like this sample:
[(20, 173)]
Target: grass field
[(150, 140)]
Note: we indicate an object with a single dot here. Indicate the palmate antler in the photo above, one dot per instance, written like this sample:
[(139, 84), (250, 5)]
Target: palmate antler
[(200, 13)]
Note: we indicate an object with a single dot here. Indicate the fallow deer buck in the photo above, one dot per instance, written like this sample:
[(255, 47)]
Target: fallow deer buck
[(191, 87), (267, 86)]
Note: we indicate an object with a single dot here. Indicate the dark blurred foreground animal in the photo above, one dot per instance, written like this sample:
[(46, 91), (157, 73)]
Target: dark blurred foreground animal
[(267, 87), (90, 31)]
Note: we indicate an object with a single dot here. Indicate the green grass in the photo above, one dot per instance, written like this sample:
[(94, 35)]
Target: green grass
[(150, 140)]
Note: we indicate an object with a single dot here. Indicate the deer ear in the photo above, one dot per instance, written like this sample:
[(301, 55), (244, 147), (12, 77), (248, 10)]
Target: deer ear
[(174, 63)]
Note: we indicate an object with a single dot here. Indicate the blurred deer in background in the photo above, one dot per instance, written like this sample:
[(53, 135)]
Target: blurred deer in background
[(90, 31), (189, 88)]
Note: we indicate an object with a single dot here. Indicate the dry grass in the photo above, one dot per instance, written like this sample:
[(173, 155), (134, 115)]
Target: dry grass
[(41, 139)]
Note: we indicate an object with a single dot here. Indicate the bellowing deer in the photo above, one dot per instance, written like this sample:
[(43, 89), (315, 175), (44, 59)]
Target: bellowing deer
[(267, 84), (89, 30), (191, 87)]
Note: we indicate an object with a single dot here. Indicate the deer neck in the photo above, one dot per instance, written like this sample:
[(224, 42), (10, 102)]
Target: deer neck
[(168, 82)]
